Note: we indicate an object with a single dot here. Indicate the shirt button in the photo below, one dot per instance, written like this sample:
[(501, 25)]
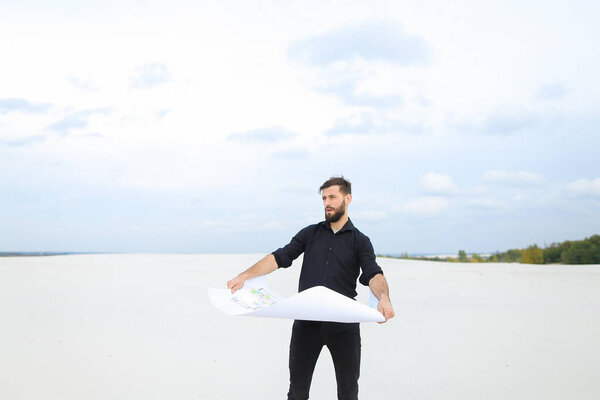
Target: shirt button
[(326, 262), (330, 249)]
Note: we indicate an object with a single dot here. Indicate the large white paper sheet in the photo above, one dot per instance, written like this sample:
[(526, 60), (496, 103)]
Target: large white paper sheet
[(315, 304)]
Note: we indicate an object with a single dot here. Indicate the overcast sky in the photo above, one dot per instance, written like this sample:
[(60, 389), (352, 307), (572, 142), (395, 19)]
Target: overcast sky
[(188, 126)]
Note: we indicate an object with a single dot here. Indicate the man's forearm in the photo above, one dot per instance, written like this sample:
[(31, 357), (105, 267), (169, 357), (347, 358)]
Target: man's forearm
[(379, 287), (265, 266)]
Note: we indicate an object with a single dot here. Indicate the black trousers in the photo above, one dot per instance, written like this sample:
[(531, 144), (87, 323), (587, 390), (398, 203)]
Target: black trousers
[(343, 342)]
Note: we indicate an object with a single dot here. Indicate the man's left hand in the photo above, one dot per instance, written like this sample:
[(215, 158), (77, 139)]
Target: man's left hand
[(385, 307)]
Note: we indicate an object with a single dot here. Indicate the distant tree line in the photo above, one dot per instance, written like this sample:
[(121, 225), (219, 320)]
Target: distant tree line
[(31, 253), (585, 251)]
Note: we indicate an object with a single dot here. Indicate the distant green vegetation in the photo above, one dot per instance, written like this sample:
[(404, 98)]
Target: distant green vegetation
[(30, 253), (585, 251)]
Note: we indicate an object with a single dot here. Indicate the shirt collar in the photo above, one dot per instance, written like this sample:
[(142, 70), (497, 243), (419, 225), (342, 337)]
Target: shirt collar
[(348, 226)]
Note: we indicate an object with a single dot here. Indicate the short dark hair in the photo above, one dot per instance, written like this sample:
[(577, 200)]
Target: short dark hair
[(345, 185)]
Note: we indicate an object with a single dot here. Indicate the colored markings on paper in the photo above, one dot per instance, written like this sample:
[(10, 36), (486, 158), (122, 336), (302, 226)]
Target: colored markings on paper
[(255, 298)]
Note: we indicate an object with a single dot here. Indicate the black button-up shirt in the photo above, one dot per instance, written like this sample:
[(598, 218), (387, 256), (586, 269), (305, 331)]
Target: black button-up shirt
[(331, 260)]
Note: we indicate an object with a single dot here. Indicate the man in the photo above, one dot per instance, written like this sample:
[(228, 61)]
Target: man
[(334, 253)]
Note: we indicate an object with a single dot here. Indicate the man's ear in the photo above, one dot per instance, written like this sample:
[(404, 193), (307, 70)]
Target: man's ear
[(348, 198)]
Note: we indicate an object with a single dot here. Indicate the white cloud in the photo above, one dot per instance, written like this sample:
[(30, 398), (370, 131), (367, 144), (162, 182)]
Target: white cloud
[(373, 124), (291, 154), (369, 41), (151, 75), (243, 223), (76, 121), (370, 64), (82, 83), (553, 91), (513, 178), (438, 184), (585, 187), (427, 206), (507, 122), (487, 203), (22, 105), (370, 215), (27, 141), (264, 135)]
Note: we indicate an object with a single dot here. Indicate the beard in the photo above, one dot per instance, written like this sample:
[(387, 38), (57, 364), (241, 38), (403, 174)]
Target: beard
[(338, 213)]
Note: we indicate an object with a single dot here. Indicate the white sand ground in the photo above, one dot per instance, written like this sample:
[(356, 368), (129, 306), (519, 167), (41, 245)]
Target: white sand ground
[(141, 327)]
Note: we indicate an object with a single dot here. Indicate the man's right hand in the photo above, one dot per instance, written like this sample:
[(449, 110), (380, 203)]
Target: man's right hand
[(236, 283)]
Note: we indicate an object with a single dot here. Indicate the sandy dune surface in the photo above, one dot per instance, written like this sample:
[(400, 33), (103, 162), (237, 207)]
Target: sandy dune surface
[(142, 327)]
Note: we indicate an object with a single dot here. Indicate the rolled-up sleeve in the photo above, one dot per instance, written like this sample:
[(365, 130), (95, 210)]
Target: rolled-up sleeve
[(287, 254), (366, 258)]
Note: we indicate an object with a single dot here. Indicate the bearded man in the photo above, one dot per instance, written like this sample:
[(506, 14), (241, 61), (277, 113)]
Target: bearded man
[(335, 253)]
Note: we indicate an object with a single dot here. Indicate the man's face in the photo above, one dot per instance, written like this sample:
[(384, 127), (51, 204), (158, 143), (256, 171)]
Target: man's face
[(334, 202)]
